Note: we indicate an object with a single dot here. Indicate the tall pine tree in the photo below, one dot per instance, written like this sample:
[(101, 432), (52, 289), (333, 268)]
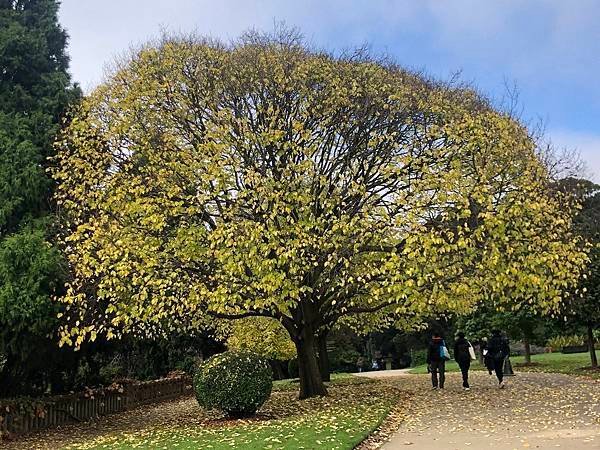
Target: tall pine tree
[(35, 91)]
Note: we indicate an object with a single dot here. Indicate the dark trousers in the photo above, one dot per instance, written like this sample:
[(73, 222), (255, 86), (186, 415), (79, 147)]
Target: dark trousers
[(464, 369), (499, 368), (438, 367)]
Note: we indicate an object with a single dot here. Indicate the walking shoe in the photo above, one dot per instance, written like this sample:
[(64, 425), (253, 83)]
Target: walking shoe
[(434, 388), (467, 389), (501, 385)]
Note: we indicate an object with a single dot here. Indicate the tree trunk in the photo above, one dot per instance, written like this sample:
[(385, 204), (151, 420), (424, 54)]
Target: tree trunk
[(311, 383), (527, 346), (324, 366), (590, 339)]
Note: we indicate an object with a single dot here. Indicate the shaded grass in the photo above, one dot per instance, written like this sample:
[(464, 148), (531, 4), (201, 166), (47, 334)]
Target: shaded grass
[(292, 384), (571, 364)]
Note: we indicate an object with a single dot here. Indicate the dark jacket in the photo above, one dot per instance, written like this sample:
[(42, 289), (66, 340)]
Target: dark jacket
[(433, 351), (498, 347), (461, 350)]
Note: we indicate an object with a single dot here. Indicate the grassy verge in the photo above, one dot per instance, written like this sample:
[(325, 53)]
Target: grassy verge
[(572, 364), (337, 379), (354, 408)]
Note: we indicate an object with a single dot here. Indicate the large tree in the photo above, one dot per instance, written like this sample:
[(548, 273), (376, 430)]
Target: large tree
[(34, 91), (263, 179)]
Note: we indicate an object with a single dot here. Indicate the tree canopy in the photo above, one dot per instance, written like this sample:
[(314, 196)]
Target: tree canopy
[(263, 336), (264, 179)]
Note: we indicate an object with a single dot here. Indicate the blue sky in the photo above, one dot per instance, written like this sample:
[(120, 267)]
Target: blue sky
[(549, 48)]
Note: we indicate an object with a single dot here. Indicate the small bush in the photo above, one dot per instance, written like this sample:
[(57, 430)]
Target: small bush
[(518, 349), (188, 364), (111, 371), (418, 358), (236, 383), (343, 360)]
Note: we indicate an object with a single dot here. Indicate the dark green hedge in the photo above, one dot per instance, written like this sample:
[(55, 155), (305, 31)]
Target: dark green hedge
[(236, 383)]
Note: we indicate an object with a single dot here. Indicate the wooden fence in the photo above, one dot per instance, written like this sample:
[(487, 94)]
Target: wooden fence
[(23, 416)]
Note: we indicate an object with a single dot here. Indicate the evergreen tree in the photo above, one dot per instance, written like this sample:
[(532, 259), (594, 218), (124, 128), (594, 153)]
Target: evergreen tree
[(35, 90)]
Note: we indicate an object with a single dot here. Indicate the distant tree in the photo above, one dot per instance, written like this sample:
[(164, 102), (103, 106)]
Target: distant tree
[(584, 308), (588, 307), (522, 325), (266, 180), (35, 90)]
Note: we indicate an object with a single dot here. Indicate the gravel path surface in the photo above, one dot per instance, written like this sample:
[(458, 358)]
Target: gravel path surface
[(535, 410)]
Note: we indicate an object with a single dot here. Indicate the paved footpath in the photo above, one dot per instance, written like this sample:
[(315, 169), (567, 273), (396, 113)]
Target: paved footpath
[(536, 411)]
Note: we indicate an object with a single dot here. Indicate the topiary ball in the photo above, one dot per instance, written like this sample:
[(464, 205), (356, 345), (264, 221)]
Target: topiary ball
[(235, 382)]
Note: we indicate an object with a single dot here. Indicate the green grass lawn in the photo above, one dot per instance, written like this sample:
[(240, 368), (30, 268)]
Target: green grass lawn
[(337, 428), (354, 408), (572, 364), (336, 379)]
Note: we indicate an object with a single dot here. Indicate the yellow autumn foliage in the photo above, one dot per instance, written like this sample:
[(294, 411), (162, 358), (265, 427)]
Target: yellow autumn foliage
[(263, 336), (264, 180)]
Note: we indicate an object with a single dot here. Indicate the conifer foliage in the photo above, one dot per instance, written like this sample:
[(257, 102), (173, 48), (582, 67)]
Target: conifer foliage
[(35, 90)]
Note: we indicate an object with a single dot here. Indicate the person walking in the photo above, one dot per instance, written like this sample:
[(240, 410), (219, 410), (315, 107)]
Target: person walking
[(360, 364), (487, 361), (498, 350), (462, 355), (374, 365), (436, 363)]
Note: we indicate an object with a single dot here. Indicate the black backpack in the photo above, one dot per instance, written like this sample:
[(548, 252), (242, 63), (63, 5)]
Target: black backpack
[(497, 346)]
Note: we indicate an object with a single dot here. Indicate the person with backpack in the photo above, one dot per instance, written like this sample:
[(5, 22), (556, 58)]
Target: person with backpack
[(498, 350), (463, 354), (436, 361)]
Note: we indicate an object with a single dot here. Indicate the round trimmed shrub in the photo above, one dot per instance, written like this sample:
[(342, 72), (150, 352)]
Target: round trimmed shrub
[(235, 382)]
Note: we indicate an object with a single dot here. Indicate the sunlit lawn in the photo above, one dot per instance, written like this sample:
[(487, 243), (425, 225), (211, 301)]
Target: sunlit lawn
[(337, 428)]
